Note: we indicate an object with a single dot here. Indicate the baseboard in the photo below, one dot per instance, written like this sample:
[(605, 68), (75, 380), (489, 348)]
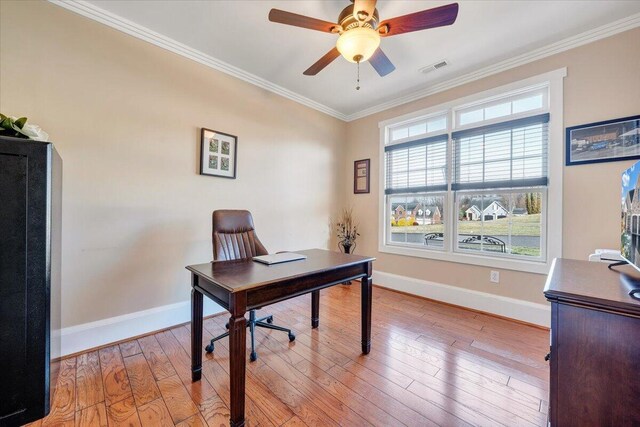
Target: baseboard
[(101, 332), (90, 335), (524, 311)]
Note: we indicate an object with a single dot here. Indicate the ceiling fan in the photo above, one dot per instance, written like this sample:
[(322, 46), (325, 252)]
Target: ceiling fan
[(360, 30)]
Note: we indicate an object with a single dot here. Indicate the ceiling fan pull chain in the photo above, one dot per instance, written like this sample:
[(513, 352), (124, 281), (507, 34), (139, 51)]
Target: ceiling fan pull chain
[(358, 82)]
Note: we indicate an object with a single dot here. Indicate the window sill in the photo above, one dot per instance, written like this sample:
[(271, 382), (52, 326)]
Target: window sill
[(537, 267)]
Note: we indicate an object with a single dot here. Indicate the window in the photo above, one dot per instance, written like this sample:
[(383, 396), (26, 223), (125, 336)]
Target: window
[(417, 166), (510, 156), (427, 125), (420, 219), (471, 181), (416, 181), (528, 101), (506, 222)]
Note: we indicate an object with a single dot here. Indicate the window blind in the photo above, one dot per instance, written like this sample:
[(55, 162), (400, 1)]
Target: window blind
[(511, 154), (417, 166)]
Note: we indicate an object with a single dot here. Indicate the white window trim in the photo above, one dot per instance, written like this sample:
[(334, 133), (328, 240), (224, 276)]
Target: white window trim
[(554, 79)]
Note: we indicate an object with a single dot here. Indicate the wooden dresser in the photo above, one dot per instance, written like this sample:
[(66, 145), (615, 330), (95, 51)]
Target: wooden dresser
[(595, 345)]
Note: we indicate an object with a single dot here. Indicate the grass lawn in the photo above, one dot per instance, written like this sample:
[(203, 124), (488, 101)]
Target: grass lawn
[(525, 250), (526, 225)]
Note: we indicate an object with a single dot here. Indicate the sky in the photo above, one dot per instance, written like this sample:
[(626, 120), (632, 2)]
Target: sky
[(629, 179)]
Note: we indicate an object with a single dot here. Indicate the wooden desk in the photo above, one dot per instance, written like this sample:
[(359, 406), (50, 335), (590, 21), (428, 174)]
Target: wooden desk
[(243, 285), (595, 345)]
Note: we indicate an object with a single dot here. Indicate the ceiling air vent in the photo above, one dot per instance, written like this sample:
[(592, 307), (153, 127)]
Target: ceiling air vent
[(433, 67)]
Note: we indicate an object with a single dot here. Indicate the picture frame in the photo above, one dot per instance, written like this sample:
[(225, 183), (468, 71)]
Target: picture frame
[(606, 141), (361, 176), (218, 154)]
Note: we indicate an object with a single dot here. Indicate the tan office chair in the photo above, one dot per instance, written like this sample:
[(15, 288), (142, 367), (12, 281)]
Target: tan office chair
[(234, 237)]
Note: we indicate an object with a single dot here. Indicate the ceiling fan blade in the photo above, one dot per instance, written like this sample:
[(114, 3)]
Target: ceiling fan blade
[(288, 18), (327, 59), (363, 9), (381, 63), (431, 18)]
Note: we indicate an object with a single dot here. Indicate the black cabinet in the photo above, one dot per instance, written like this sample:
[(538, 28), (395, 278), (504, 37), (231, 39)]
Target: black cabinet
[(30, 208)]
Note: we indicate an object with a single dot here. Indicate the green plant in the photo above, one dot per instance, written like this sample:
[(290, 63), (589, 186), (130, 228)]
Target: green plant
[(533, 203), (19, 128)]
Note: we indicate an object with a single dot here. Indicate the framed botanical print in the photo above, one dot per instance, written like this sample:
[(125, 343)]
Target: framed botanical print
[(361, 176), (218, 153)]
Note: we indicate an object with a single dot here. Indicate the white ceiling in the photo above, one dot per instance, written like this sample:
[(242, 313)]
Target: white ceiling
[(486, 32)]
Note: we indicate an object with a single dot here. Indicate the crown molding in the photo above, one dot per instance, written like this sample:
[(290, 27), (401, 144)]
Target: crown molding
[(590, 36), (119, 23)]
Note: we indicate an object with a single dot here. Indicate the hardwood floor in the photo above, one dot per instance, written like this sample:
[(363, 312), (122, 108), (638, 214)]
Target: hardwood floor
[(430, 364)]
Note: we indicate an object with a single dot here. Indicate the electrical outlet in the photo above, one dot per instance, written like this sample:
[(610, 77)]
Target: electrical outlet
[(494, 276)]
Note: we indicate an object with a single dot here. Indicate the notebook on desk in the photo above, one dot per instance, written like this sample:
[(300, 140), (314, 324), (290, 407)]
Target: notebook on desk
[(279, 258)]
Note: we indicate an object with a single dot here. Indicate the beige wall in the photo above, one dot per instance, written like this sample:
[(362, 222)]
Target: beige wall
[(603, 82), (125, 117)]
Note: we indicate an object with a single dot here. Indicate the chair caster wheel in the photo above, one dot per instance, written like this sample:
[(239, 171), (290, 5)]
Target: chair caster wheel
[(253, 357), (209, 348), (226, 325), (270, 319), (291, 337)]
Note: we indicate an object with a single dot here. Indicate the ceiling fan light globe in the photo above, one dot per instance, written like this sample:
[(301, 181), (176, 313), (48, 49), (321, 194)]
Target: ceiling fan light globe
[(359, 42)]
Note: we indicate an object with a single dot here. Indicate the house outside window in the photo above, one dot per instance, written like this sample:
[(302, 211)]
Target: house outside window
[(477, 180)]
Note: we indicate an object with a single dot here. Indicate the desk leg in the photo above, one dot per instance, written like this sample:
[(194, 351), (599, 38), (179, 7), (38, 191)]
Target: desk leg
[(315, 309), (237, 356), (366, 312), (196, 331)]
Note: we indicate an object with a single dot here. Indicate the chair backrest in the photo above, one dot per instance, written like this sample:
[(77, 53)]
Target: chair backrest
[(234, 236)]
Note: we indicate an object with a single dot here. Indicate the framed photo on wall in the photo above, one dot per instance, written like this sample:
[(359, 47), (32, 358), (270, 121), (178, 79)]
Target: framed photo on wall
[(218, 154), (607, 141), (361, 176)]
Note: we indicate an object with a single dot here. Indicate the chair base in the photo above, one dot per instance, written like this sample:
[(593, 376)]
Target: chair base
[(263, 322)]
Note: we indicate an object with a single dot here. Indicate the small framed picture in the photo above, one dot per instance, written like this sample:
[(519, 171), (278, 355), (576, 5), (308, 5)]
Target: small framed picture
[(218, 153), (361, 176), (607, 141)]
